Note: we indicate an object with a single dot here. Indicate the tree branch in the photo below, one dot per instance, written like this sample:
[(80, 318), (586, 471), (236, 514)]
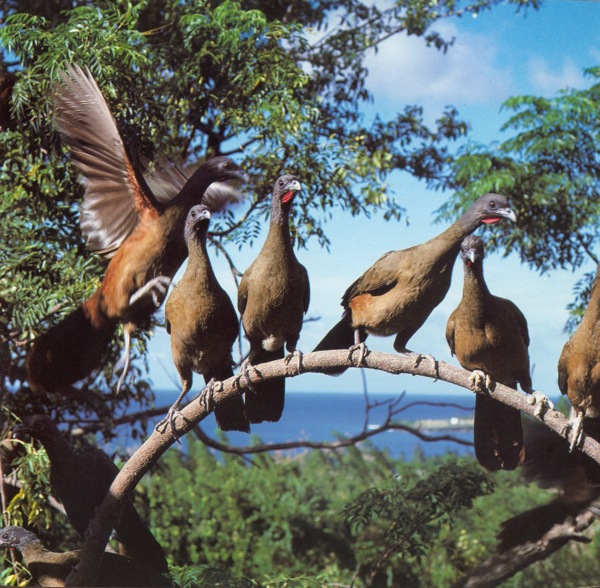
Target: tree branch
[(154, 447)]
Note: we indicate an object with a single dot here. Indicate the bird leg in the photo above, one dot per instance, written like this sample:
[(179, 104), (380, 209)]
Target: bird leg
[(358, 346), (541, 403), (124, 360), (156, 288), (298, 355), (481, 381), (174, 412), (206, 398)]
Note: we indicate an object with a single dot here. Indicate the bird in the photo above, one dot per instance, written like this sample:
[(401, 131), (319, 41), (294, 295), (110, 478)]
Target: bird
[(579, 368), (81, 480), (51, 568), (399, 291), (273, 296), (203, 325), (122, 219), (550, 463), (489, 336)]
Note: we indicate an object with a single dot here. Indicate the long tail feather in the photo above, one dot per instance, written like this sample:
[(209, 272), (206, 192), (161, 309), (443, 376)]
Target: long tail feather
[(69, 351), (266, 402)]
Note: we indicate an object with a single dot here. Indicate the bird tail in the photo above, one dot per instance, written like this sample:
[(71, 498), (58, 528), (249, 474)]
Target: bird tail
[(340, 336), (266, 402), (531, 525), (498, 435), (230, 413), (70, 350)]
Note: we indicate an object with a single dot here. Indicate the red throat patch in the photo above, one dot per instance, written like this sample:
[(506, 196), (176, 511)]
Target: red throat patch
[(288, 196), (491, 220)]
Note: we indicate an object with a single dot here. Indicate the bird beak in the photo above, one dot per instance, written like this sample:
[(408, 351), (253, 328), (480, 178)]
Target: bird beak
[(290, 190), (501, 213), (204, 215), (471, 255)]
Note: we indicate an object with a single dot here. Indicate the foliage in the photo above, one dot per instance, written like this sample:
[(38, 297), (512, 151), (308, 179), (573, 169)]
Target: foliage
[(549, 169)]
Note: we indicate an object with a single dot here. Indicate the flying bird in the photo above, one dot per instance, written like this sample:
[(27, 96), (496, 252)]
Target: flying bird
[(50, 568), (579, 368), (124, 220), (203, 325), (489, 336), (398, 292), (273, 296), (80, 480)]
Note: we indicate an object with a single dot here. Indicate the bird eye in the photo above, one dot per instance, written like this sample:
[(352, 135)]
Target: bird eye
[(492, 204), (281, 182)]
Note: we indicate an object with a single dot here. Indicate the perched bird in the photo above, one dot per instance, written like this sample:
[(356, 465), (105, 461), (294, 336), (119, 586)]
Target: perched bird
[(203, 324), (489, 336), (579, 367), (81, 480), (273, 296), (123, 219), (398, 292), (50, 568), (550, 464)]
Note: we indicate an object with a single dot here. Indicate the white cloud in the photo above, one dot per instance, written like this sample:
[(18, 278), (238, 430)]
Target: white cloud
[(406, 69), (549, 81)]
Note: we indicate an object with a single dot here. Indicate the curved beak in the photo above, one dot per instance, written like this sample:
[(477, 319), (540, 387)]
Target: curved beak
[(508, 213)]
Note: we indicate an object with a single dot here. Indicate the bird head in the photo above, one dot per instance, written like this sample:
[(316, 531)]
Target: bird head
[(36, 426), (16, 537), (286, 187), (472, 251), (490, 208), (197, 221)]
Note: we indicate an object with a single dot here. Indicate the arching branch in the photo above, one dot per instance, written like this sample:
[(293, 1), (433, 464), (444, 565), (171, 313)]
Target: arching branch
[(149, 453)]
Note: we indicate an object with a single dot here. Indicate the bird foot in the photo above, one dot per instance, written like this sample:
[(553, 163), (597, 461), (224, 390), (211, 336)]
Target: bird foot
[(479, 380), (362, 353), (169, 421), (156, 288), (434, 363), (576, 426), (298, 355), (207, 399), (541, 403), (245, 374)]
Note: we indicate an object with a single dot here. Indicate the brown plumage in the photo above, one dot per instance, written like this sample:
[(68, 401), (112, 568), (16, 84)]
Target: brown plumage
[(80, 480), (579, 366), (203, 324), (490, 334), (123, 219), (50, 568), (398, 292), (550, 464), (273, 296)]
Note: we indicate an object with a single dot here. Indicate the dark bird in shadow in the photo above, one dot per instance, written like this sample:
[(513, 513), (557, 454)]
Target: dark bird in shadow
[(49, 568), (123, 219), (273, 297), (579, 369), (398, 292), (489, 336), (80, 480), (203, 325)]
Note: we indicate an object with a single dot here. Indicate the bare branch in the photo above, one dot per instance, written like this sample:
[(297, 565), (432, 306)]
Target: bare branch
[(149, 453)]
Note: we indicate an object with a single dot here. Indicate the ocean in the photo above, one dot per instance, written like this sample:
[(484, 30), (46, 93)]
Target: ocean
[(322, 417)]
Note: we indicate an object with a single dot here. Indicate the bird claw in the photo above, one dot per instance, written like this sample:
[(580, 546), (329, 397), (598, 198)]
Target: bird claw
[(420, 357), (541, 403), (245, 374), (480, 381), (156, 288), (169, 421), (362, 353), (576, 427), (206, 399), (123, 363), (298, 355)]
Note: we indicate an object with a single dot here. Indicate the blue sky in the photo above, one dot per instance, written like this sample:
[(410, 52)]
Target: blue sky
[(495, 56)]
